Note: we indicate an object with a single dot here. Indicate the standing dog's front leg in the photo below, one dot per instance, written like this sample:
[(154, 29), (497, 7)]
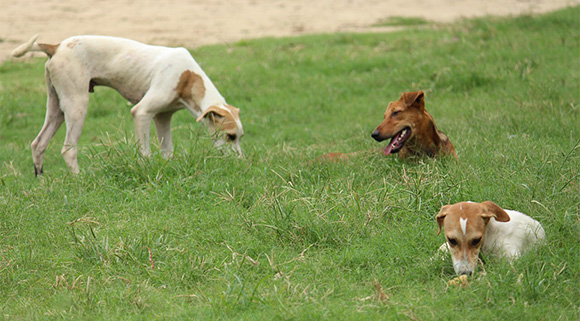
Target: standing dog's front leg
[(142, 121), (163, 126), (154, 103)]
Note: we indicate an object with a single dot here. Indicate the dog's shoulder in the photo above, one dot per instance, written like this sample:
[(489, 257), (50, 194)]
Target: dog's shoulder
[(445, 144), (518, 225)]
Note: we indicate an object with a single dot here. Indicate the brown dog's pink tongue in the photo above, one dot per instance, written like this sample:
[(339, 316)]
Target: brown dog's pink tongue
[(388, 149), (392, 144)]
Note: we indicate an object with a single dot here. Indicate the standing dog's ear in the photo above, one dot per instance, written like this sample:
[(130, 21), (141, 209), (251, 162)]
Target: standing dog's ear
[(416, 98), (441, 217), (493, 210), (212, 111)]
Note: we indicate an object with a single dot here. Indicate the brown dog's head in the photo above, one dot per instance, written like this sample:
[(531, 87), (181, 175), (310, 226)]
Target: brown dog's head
[(465, 225), (400, 121)]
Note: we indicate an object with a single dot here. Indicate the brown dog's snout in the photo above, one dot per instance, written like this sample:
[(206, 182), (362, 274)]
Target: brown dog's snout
[(376, 135)]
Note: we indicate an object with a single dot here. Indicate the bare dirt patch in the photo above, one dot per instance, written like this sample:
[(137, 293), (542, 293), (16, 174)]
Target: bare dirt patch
[(194, 23)]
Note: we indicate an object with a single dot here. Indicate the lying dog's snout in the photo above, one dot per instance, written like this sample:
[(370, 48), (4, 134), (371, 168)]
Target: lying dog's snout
[(376, 135)]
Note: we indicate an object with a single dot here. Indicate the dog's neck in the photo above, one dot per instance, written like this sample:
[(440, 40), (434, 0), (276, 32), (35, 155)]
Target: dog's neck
[(198, 93), (212, 98), (427, 138)]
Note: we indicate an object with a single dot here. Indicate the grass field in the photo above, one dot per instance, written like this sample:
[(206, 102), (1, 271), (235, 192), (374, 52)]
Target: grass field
[(278, 236)]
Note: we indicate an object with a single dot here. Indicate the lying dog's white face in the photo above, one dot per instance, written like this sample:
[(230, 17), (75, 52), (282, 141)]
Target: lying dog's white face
[(224, 125), (464, 224)]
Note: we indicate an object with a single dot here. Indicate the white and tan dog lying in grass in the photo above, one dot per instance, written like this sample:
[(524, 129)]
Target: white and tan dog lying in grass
[(158, 80), (471, 227)]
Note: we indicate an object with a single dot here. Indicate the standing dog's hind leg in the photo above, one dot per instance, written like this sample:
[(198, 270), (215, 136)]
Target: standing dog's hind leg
[(75, 111), (53, 119)]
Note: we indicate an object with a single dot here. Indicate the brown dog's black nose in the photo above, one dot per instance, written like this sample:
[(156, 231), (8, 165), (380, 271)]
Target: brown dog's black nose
[(376, 135)]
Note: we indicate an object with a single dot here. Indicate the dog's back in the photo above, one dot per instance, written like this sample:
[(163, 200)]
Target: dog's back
[(513, 238)]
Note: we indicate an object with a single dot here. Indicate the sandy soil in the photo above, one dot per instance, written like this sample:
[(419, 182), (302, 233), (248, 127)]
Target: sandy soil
[(193, 23)]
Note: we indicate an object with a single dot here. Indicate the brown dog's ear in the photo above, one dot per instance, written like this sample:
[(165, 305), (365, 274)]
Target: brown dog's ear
[(414, 98), (441, 217), (493, 210), (213, 110)]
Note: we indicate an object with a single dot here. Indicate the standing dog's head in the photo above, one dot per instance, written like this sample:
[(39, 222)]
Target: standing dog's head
[(401, 118), (465, 225), (224, 125)]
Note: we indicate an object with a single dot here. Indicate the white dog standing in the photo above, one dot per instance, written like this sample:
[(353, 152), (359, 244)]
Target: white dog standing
[(471, 227), (158, 80)]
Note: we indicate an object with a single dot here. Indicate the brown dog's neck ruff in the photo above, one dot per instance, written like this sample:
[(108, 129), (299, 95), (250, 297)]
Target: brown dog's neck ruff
[(425, 141)]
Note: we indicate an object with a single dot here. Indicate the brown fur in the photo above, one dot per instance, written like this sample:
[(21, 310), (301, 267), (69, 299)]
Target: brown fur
[(190, 88), (50, 50), (338, 157), (425, 140), (222, 119)]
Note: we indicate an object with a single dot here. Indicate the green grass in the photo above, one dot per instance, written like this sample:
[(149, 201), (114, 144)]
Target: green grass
[(278, 236), (401, 21)]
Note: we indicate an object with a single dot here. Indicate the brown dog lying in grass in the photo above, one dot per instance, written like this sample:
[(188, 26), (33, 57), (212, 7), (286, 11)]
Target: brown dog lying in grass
[(411, 129)]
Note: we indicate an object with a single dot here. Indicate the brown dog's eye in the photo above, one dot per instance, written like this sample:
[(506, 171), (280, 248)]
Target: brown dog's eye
[(395, 113), (452, 242), (476, 241)]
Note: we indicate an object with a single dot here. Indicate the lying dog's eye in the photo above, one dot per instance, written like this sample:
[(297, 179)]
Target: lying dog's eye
[(395, 113), (476, 241), (231, 137), (452, 242)]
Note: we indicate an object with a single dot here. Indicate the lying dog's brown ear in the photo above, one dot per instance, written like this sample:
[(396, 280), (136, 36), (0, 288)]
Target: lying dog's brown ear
[(493, 210), (414, 98), (213, 110), (441, 217)]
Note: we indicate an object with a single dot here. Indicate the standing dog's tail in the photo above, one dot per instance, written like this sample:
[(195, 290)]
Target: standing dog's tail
[(32, 45)]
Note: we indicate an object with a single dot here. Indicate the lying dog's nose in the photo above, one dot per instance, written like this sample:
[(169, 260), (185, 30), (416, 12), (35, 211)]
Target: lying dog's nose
[(376, 134)]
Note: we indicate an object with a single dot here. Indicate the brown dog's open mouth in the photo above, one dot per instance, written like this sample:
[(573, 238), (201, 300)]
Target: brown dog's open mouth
[(398, 141)]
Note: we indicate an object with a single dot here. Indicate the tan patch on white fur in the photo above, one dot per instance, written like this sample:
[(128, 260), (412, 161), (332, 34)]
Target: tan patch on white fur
[(235, 111), (226, 122), (72, 43), (50, 50), (191, 88)]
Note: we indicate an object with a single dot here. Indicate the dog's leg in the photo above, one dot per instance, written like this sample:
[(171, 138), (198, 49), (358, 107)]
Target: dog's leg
[(163, 126), (75, 110), (142, 120), (155, 102), (53, 120)]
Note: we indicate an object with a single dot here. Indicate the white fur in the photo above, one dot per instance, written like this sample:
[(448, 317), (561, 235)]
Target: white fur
[(463, 224), (502, 239), (462, 266), (145, 75), (513, 238)]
